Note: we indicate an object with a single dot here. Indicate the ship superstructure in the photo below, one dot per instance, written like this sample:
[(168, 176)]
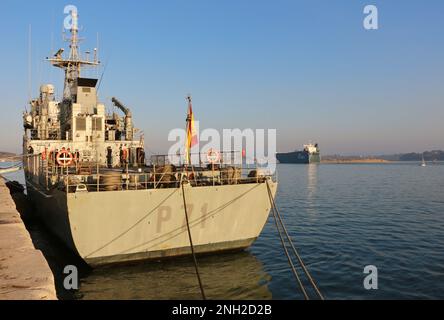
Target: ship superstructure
[(87, 175), (78, 122)]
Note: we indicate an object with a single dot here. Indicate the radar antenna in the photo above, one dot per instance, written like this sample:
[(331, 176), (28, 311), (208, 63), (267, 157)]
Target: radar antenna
[(73, 64)]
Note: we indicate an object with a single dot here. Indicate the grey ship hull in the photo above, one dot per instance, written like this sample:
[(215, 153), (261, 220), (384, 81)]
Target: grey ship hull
[(118, 226), (302, 157)]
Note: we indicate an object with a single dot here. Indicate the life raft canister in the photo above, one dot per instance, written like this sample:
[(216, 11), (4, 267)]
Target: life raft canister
[(125, 154), (64, 158)]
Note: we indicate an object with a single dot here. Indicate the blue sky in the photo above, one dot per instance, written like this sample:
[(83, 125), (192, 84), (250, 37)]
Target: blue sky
[(306, 68)]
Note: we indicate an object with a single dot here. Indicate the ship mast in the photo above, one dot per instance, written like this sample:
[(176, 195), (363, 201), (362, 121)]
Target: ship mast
[(74, 63), (74, 53)]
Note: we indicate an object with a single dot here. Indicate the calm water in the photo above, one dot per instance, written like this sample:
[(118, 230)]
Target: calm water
[(341, 217)]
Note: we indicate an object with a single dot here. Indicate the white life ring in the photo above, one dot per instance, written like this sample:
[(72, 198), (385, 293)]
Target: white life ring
[(213, 156), (64, 158)]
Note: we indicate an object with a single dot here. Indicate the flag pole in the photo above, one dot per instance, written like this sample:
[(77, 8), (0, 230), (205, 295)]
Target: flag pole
[(188, 148)]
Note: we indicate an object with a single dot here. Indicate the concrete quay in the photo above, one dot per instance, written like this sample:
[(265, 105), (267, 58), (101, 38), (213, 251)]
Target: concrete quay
[(24, 271)]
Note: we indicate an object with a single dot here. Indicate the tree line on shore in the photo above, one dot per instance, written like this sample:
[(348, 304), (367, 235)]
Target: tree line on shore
[(435, 155)]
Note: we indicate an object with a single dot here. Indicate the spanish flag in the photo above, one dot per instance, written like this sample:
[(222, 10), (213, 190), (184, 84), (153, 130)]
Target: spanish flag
[(191, 132)]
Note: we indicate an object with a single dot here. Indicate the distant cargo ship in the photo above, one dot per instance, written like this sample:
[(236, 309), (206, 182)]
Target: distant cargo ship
[(310, 154)]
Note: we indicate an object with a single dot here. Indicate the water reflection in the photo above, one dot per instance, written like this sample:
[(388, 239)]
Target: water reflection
[(312, 182), (226, 276)]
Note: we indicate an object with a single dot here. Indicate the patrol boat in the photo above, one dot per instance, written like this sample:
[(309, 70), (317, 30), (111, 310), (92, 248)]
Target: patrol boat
[(87, 176)]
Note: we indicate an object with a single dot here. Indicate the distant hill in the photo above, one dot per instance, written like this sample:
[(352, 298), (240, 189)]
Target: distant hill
[(6, 154), (435, 155)]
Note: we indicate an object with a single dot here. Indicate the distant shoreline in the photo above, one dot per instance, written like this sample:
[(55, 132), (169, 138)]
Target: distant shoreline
[(351, 161), (4, 154), (7, 156)]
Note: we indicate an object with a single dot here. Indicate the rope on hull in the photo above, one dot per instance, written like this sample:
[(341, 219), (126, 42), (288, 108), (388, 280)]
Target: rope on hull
[(191, 243)]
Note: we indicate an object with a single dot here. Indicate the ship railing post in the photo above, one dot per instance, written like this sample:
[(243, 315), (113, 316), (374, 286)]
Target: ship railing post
[(257, 174), (241, 163), (98, 179), (46, 175), (257, 170), (42, 170), (39, 177), (35, 168), (127, 177), (66, 179), (154, 169)]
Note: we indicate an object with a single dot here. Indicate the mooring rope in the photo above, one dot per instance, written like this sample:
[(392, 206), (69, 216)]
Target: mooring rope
[(191, 243), (301, 262), (295, 273)]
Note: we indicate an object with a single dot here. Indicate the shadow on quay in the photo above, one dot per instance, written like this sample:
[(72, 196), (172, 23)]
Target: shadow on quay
[(57, 255)]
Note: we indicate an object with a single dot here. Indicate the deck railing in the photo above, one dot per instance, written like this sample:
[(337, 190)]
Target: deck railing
[(160, 180), (98, 178)]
